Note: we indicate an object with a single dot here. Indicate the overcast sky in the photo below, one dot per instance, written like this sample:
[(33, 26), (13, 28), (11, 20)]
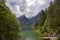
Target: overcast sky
[(29, 8)]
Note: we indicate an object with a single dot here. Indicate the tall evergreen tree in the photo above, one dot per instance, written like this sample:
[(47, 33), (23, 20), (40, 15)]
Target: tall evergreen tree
[(9, 24), (52, 22), (40, 24), (57, 15), (50, 19), (53, 16), (42, 18)]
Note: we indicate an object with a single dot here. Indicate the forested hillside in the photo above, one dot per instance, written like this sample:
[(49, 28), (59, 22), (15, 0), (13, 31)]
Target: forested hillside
[(9, 24), (49, 22)]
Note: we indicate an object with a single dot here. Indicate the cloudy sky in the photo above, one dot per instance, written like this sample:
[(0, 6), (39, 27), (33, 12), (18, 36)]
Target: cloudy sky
[(29, 8)]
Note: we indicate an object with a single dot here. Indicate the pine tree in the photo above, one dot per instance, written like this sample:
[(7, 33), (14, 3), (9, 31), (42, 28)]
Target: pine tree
[(53, 16), (9, 24), (50, 17), (42, 18), (57, 15), (40, 23), (52, 22)]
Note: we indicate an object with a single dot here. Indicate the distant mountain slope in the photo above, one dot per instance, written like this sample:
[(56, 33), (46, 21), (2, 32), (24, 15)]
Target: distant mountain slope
[(25, 21)]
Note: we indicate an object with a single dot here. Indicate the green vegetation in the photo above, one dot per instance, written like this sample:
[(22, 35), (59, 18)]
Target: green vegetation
[(9, 24), (49, 22)]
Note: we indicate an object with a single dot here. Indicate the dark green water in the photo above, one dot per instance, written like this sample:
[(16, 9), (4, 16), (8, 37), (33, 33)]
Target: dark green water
[(29, 35)]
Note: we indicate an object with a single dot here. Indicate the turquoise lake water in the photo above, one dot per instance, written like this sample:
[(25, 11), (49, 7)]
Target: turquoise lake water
[(29, 35)]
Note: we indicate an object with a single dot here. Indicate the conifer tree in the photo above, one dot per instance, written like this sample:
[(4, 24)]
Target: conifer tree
[(9, 24), (53, 16), (42, 18), (52, 22), (40, 24), (57, 15)]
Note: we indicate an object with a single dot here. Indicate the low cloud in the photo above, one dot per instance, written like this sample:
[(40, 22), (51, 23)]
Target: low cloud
[(24, 7)]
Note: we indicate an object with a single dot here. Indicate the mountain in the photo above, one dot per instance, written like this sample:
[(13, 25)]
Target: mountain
[(33, 20), (23, 20), (27, 22)]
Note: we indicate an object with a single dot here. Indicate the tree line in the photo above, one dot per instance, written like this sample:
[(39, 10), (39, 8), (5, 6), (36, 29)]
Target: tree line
[(9, 24), (48, 24)]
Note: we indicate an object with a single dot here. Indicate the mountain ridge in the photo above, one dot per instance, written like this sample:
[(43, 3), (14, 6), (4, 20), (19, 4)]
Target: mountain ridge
[(28, 21)]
